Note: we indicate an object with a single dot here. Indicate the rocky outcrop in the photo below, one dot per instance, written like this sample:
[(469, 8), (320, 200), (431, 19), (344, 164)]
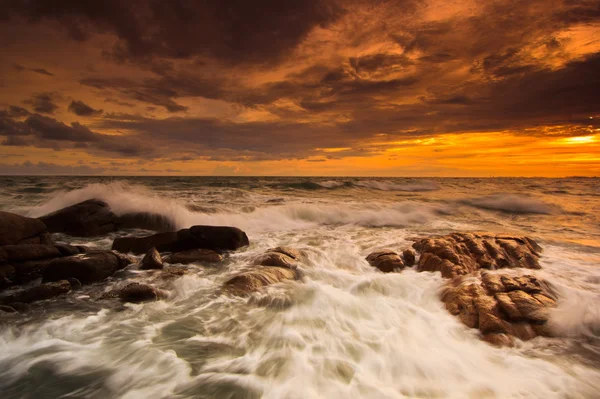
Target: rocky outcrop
[(259, 277), (386, 260), (459, 254), (38, 292), (281, 257), (151, 260), (17, 229), (195, 255), (216, 238), (501, 306), (87, 268), (94, 217)]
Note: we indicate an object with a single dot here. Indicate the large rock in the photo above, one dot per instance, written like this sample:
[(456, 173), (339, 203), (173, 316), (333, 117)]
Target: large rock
[(137, 293), (16, 229), (195, 255), (387, 261), (38, 292), (151, 260), (216, 238), (30, 270), (463, 253), (22, 253), (280, 257), (145, 220), (259, 277), (87, 268), (501, 304)]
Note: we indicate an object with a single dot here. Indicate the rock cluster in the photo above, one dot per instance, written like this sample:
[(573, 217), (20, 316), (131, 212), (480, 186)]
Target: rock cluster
[(389, 261)]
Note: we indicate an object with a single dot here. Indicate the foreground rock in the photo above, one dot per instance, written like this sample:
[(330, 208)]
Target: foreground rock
[(16, 229), (501, 306), (94, 217), (87, 268), (459, 254), (216, 238), (386, 260), (281, 257), (151, 260), (195, 255), (259, 277), (38, 293)]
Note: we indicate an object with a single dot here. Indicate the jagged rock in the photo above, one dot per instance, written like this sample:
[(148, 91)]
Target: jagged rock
[(463, 253), (151, 260), (22, 253), (194, 255), (259, 277), (408, 255), (281, 257), (216, 238), (38, 292), (85, 219), (137, 293), (16, 229), (386, 260), (501, 304), (87, 268)]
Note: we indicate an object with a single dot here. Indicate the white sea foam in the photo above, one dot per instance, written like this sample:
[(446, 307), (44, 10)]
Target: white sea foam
[(512, 203), (391, 186)]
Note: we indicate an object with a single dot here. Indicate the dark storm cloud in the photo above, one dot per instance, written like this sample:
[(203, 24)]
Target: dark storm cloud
[(47, 168), (43, 103), (233, 31), (82, 109), (42, 71)]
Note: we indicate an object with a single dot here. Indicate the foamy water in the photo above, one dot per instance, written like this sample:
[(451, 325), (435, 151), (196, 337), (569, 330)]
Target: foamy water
[(345, 329)]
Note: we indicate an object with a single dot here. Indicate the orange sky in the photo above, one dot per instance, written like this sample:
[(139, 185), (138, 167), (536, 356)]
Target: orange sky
[(321, 87)]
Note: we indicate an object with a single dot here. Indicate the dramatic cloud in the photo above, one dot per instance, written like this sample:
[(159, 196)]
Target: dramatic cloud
[(82, 109), (43, 103)]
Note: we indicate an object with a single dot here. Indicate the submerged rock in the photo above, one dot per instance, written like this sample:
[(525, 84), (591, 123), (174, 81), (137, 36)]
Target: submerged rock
[(408, 255), (87, 268), (16, 229), (501, 304), (194, 255), (136, 293), (259, 277), (281, 257), (459, 254), (386, 260), (151, 260)]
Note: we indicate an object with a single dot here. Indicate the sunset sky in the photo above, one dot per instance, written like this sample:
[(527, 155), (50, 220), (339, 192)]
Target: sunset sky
[(275, 87)]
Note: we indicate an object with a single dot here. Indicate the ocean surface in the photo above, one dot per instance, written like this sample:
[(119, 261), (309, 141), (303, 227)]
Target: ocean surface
[(345, 330)]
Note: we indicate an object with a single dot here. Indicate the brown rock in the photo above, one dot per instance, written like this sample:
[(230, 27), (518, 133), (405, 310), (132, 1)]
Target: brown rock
[(386, 260), (280, 257), (408, 255), (151, 260), (137, 293), (194, 255), (21, 253), (16, 229), (38, 293), (258, 278), (140, 245), (87, 268), (85, 219)]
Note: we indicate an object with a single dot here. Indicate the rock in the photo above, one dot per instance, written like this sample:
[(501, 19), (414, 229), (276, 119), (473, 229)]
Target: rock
[(140, 245), (16, 229), (7, 309), (496, 306), (408, 255), (21, 253), (151, 260), (30, 270), (38, 292), (87, 268), (68, 250), (137, 293), (216, 238), (463, 253), (8, 275), (145, 220), (386, 260), (281, 257), (85, 219), (259, 277), (194, 255)]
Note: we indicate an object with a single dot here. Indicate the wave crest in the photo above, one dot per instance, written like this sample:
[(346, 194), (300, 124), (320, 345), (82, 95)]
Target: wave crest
[(510, 203)]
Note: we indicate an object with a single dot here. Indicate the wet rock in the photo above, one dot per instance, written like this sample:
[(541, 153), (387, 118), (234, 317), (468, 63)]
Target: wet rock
[(7, 309), (17, 229), (280, 257), (137, 293), (85, 219), (30, 270), (494, 305), (151, 260), (259, 277), (408, 255), (68, 250), (87, 268), (194, 255), (38, 292), (386, 260), (21, 253), (140, 245), (145, 220), (463, 253), (8, 275)]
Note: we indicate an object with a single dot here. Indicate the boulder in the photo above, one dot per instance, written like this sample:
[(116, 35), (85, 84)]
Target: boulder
[(501, 305), (386, 260), (408, 255), (195, 255), (85, 219), (21, 253), (459, 254), (87, 268), (145, 220), (259, 277), (140, 245), (280, 257), (38, 292), (137, 293), (17, 229), (151, 260), (30, 270)]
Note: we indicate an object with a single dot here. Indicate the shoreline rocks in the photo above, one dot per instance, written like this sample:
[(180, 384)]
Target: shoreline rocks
[(258, 278), (386, 260), (151, 260), (87, 268)]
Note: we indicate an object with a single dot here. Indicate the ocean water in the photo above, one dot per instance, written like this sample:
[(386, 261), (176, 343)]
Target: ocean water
[(345, 330)]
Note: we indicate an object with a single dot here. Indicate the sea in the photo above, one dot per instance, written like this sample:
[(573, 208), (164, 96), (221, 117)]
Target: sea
[(345, 330)]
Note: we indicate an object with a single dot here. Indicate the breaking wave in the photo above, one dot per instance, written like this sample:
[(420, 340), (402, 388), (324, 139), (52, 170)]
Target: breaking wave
[(510, 203)]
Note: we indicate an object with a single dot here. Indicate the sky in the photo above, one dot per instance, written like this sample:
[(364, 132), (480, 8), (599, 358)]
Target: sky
[(315, 87)]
